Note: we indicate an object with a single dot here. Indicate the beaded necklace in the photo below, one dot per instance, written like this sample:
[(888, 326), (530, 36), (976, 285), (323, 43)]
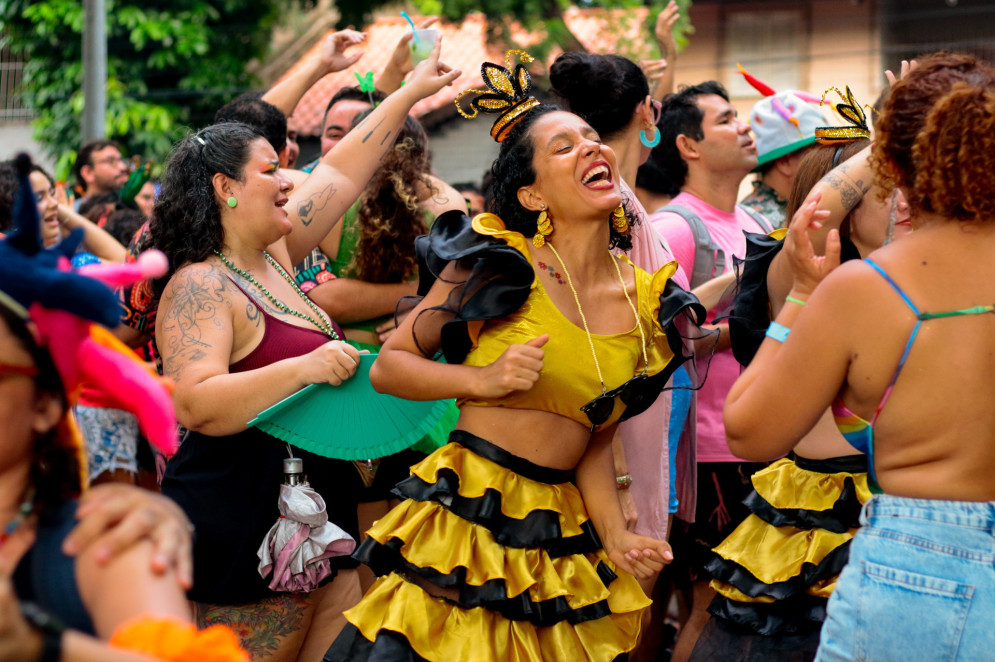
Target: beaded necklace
[(25, 509), (324, 325)]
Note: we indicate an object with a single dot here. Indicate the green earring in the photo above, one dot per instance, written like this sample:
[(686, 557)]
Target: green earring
[(232, 201)]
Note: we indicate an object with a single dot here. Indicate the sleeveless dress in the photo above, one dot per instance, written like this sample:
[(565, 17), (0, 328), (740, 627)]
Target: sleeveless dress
[(229, 486), (510, 541)]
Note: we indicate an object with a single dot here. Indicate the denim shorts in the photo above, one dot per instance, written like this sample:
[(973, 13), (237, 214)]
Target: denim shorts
[(920, 585)]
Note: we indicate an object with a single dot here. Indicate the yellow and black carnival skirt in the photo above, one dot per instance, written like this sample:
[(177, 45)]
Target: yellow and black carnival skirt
[(775, 572), (490, 558)]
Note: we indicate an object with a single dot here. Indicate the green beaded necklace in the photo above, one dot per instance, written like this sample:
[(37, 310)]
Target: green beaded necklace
[(324, 325)]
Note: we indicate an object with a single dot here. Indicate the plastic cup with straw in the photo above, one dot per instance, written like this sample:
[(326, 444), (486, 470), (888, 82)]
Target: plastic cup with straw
[(422, 41)]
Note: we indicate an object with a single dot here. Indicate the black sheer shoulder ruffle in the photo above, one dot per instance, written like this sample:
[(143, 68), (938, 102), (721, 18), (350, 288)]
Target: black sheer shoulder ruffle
[(498, 278), (750, 315)]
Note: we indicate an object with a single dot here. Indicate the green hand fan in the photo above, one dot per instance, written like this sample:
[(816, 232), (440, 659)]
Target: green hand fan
[(351, 421)]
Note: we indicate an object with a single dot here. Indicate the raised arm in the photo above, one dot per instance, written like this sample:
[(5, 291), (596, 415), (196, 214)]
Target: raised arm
[(338, 179), (664, 32), (194, 332), (400, 64), (838, 193), (808, 367), (95, 239), (330, 58)]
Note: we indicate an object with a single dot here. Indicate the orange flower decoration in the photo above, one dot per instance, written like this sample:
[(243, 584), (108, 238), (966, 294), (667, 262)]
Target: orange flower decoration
[(170, 639)]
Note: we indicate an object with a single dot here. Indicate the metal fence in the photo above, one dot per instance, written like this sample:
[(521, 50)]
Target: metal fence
[(12, 107)]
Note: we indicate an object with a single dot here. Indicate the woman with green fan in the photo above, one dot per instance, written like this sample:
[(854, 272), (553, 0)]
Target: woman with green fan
[(237, 336), (511, 544)]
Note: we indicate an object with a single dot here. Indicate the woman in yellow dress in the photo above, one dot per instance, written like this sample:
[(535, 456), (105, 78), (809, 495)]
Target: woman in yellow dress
[(511, 544)]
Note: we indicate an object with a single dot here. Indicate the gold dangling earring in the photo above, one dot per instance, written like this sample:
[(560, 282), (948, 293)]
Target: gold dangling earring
[(619, 221), (544, 228)]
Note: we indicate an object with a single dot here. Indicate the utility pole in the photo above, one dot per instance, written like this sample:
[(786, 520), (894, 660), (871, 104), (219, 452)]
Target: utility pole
[(94, 70)]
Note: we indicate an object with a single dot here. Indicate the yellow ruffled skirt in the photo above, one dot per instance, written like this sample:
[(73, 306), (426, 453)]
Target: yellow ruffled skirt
[(490, 558), (776, 570)]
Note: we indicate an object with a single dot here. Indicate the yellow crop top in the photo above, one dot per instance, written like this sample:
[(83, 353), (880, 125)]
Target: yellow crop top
[(569, 378)]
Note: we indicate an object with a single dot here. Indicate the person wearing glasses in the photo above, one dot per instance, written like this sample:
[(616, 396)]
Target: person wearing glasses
[(99, 168), (511, 543)]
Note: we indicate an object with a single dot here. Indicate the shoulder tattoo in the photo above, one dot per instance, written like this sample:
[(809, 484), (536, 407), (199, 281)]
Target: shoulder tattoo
[(195, 298)]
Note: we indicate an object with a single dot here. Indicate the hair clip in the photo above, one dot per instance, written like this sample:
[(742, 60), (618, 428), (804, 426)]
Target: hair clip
[(508, 95), (849, 110), (366, 85), (200, 140)]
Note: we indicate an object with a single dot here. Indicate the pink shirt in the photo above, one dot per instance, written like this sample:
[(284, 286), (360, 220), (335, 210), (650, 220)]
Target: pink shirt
[(645, 437), (726, 230)]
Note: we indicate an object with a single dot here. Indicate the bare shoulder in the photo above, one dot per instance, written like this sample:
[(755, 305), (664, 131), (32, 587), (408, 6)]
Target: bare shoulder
[(199, 280), (442, 197), (195, 316)]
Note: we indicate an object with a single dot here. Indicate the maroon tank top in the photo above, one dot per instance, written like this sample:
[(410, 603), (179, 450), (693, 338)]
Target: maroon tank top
[(281, 340)]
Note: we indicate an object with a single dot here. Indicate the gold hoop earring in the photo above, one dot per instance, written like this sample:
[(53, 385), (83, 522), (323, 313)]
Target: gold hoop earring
[(544, 228), (619, 220)]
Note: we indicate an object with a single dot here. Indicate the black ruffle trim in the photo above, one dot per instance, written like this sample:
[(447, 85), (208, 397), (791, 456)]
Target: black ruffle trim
[(352, 646), (491, 595), (540, 528), (750, 314), (843, 516), (510, 461), (798, 615), (499, 281), (736, 575)]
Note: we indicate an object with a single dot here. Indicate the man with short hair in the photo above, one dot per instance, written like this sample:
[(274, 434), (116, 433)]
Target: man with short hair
[(343, 108), (99, 168), (784, 126), (706, 151)]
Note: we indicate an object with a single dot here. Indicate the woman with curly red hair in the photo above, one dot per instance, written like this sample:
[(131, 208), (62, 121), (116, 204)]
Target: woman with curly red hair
[(900, 346)]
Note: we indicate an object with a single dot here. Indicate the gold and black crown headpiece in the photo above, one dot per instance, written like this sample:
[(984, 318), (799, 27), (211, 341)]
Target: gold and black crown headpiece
[(849, 110), (508, 94)]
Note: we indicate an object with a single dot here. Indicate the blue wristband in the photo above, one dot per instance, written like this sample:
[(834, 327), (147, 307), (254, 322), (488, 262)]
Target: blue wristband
[(778, 332)]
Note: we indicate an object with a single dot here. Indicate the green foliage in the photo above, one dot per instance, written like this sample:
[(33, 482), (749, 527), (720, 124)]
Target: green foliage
[(170, 64), (546, 17)]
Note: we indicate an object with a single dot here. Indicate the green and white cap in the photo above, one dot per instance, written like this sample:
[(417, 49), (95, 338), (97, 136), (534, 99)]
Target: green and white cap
[(783, 123)]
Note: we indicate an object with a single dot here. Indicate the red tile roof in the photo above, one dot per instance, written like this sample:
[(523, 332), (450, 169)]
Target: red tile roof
[(464, 47)]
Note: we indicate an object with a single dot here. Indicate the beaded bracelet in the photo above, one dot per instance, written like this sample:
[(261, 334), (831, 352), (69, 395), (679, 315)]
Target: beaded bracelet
[(778, 332), (623, 482), (791, 299)]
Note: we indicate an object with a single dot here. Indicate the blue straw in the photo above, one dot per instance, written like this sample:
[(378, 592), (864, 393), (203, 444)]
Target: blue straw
[(407, 18)]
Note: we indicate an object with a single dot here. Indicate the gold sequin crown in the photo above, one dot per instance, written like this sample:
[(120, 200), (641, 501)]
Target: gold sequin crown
[(849, 110), (508, 94)]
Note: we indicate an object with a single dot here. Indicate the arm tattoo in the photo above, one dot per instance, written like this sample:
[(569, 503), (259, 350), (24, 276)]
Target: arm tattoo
[(261, 626), (314, 203), (851, 193), (194, 301), (372, 131)]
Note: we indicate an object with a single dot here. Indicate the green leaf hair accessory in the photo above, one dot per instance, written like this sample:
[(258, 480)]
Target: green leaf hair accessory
[(366, 85)]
